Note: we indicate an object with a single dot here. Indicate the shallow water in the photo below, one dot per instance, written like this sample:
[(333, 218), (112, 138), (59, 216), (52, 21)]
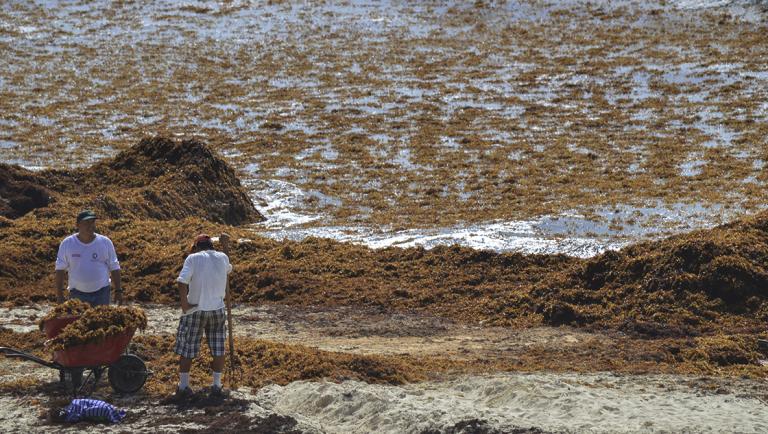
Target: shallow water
[(574, 236), (570, 233)]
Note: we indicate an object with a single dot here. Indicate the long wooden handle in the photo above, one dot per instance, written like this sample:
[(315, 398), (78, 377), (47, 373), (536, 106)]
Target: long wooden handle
[(228, 302), (228, 299)]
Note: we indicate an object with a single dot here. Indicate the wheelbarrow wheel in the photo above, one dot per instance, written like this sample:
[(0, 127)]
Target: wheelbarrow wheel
[(128, 374)]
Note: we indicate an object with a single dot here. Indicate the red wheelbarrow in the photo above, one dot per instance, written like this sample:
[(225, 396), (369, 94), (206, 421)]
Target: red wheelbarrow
[(127, 373)]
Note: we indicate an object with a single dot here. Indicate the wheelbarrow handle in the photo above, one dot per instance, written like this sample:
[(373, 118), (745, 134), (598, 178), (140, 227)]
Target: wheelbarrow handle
[(16, 354)]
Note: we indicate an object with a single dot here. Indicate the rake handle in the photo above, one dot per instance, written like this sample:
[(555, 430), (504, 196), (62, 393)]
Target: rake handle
[(229, 324), (228, 302)]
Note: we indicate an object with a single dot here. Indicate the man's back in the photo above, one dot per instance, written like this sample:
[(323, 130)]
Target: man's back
[(206, 274)]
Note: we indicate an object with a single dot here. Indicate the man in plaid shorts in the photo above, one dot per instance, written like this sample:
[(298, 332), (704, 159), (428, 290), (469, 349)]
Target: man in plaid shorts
[(202, 288)]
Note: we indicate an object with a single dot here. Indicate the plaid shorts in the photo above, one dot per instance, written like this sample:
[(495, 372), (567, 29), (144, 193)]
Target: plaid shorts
[(191, 328)]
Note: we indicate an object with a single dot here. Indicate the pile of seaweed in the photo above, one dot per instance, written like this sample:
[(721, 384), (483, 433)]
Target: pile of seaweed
[(21, 191), (694, 283), (158, 178), (457, 282), (702, 283), (99, 323)]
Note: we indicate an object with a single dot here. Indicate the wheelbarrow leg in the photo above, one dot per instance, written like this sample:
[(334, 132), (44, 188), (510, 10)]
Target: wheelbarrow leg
[(90, 381), (71, 379)]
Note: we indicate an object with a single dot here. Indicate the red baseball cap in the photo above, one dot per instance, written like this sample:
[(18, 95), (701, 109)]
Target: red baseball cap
[(202, 237)]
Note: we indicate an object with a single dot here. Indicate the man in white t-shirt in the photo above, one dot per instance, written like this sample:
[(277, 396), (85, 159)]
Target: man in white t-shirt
[(89, 259), (202, 288)]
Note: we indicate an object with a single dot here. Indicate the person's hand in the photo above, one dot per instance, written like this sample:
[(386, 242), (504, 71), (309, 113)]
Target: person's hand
[(60, 297), (119, 297), (224, 240), (185, 306)]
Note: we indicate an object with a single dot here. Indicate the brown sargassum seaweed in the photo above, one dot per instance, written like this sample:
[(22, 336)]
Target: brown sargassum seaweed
[(705, 288), (267, 362), (157, 179), (510, 114), (99, 323), (73, 307)]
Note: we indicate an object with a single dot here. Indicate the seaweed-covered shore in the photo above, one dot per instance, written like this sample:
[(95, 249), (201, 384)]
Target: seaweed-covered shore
[(703, 290), (690, 306)]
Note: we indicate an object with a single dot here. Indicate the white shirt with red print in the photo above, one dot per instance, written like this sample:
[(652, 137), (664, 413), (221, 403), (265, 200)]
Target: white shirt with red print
[(88, 265)]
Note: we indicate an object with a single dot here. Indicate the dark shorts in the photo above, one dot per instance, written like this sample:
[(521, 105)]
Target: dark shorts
[(98, 298), (192, 327)]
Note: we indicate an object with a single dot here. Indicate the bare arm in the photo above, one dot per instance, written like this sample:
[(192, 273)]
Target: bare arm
[(117, 286), (59, 283), (183, 291)]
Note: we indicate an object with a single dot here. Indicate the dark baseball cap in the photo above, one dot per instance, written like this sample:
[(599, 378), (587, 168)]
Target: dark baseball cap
[(86, 215)]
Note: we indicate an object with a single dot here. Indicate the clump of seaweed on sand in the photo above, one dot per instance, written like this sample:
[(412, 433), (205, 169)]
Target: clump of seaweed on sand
[(278, 363)]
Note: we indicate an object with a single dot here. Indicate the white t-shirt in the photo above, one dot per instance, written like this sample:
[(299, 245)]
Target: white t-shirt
[(206, 274), (88, 265)]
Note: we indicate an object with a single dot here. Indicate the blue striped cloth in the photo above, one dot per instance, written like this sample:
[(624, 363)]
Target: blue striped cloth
[(94, 410)]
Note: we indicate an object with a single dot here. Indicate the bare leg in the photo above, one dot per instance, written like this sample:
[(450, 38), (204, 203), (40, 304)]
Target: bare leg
[(217, 365), (185, 364)]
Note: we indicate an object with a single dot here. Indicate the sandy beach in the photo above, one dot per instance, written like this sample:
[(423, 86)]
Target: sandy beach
[(601, 402)]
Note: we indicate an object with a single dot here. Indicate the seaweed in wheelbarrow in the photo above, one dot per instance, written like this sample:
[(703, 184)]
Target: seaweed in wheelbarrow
[(99, 323), (69, 308)]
